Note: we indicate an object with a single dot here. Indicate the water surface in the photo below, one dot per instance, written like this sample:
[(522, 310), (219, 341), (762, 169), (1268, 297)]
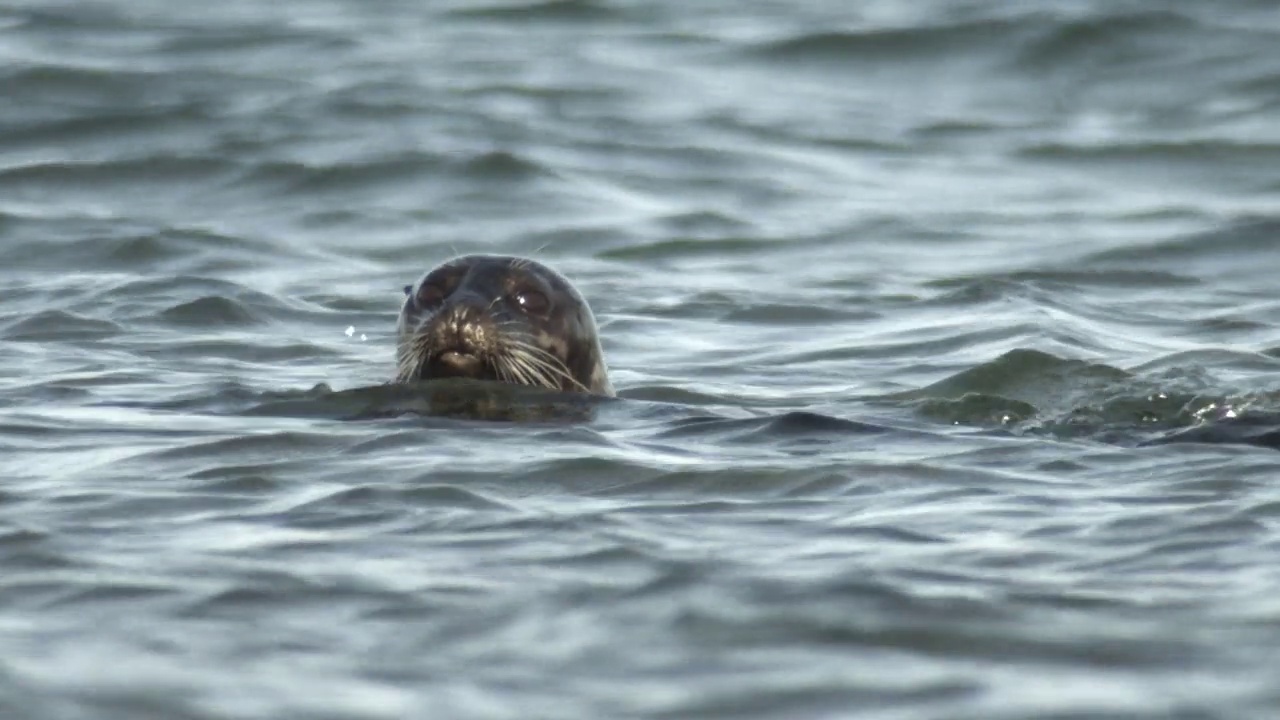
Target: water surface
[(944, 332)]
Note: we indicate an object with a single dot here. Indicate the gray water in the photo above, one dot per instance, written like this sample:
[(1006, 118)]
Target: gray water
[(945, 335)]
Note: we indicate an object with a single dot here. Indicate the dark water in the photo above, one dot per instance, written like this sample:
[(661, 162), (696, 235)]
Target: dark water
[(945, 332)]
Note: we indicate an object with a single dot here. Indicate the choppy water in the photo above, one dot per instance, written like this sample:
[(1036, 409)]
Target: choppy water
[(945, 333)]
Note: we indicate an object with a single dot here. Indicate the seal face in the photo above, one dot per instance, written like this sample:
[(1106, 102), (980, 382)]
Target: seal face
[(503, 318)]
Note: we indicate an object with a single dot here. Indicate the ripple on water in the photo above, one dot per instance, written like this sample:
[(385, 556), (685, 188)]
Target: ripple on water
[(211, 311), (945, 338), (553, 10), (59, 325), (175, 256), (161, 173), (889, 45)]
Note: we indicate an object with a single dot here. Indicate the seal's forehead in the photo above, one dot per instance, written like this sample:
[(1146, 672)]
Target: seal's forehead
[(479, 269), (483, 263), (465, 269), (497, 268)]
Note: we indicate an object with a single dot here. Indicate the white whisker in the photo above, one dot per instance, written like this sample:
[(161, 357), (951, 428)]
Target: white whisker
[(545, 366)]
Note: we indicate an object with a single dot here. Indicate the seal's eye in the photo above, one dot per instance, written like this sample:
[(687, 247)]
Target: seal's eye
[(532, 301), (436, 286), (429, 295)]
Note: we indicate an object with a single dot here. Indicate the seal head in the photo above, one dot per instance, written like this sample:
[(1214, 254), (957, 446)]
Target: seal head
[(503, 318)]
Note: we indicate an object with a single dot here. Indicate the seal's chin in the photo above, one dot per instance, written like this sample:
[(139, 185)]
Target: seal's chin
[(457, 364)]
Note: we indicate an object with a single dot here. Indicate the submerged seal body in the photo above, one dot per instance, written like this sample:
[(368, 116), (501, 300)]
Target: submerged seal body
[(503, 318)]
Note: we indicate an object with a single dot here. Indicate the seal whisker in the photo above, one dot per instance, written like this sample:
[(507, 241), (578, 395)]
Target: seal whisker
[(412, 353), (527, 374), (550, 365), (522, 362), (501, 370)]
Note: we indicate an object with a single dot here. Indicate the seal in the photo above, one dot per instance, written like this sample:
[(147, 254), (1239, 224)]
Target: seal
[(503, 318)]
